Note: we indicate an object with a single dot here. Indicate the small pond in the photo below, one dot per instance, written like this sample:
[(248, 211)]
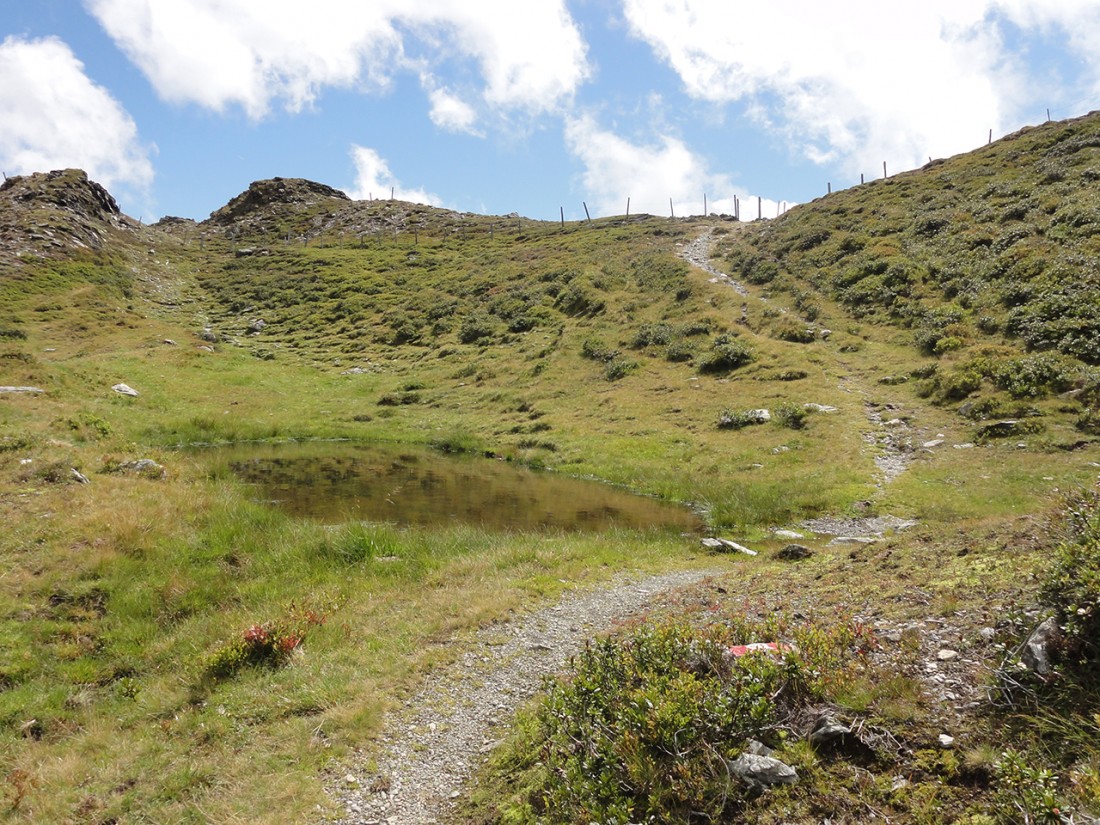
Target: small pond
[(335, 482)]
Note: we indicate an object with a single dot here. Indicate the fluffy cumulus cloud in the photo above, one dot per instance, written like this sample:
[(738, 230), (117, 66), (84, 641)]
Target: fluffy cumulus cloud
[(857, 85), (53, 116), (221, 53), (616, 169), (373, 179), (451, 113)]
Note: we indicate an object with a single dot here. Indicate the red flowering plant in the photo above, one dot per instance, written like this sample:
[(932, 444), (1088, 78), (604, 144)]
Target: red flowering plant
[(269, 644)]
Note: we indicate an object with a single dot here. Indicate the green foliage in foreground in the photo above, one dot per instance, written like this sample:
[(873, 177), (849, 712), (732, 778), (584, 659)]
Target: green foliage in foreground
[(644, 727), (1072, 587)]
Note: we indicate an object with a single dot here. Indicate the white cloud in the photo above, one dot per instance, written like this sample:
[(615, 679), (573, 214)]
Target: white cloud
[(649, 175), (451, 113), (221, 53), (855, 85), (373, 179), (53, 116)]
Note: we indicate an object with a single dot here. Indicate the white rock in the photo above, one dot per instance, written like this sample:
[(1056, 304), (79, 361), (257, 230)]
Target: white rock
[(123, 389), (788, 534), (946, 741)]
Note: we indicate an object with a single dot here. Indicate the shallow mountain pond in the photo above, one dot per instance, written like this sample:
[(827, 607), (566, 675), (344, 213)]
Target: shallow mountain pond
[(335, 482)]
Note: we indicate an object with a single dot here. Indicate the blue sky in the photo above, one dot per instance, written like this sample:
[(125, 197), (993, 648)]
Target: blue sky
[(499, 106)]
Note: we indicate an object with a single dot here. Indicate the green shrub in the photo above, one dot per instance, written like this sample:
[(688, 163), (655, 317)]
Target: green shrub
[(791, 415), (727, 353), (653, 334), (1072, 586), (643, 728), (679, 351), (596, 350), (477, 328), (618, 368), (731, 420)]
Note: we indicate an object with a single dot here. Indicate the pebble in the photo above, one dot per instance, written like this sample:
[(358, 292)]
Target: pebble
[(947, 655)]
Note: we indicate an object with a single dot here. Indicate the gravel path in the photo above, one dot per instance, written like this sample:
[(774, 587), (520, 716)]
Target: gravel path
[(697, 253), (431, 747)]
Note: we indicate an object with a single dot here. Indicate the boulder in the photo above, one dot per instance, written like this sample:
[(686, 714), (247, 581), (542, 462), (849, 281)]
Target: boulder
[(794, 552), (1038, 652), (761, 772), (123, 389)]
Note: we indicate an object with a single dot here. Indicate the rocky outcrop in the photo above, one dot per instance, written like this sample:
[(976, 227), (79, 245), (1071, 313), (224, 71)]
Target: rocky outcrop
[(276, 195), (50, 213)]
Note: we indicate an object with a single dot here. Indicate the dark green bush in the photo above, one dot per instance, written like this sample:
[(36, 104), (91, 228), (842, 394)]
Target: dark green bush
[(791, 415), (618, 368), (727, 353), (642, 729), (596, 350), (1072, 586)]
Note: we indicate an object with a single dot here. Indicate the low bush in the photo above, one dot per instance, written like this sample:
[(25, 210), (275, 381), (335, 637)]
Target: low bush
[(727, 353), (645, 726), (791, 415), (732, 420), (1072, 586)]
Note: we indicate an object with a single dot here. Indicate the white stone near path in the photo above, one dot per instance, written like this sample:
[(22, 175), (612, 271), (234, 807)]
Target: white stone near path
[(22, 389), (123, 389)]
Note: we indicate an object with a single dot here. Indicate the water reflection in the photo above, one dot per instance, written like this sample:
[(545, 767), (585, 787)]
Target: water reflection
[(384, 483)]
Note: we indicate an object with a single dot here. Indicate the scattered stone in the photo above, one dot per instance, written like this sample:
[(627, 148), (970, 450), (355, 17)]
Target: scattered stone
[(762, 771), (1036, 654), (22, 389), (122, 389), (205, 348), (208, 335), (947, 655), (170, 342), (936, 442), (827, 731), (821, 408), (758, 748), (946, 741), (80, 477), (143, 466), (723, 545), (966, 446), (257, 325), (794, 552), (788, 534), (987, 634)]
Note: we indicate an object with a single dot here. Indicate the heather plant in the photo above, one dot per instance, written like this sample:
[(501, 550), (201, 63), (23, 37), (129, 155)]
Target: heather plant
[(643, 727)]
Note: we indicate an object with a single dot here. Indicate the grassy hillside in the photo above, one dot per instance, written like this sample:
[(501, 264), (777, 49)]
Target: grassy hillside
[(915, 316)]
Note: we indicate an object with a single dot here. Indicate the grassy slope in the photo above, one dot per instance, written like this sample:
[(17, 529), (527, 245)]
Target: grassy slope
[(128, 584)]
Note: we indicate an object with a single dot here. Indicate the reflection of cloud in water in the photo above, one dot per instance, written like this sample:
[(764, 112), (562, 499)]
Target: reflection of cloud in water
[(337, 482)]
